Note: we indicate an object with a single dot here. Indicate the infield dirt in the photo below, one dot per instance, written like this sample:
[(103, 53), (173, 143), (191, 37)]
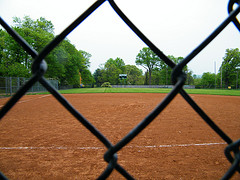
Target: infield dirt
[(40, 139)]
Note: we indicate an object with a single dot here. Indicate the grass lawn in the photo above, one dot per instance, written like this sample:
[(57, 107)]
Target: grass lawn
[(115, 90), (150, 90)]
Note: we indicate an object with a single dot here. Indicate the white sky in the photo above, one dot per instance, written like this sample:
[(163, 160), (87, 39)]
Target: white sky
[(176, 27)]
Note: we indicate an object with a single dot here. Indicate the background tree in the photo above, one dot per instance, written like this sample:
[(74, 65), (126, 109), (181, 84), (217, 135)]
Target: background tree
[(86, 59), (149, 60), (98, 77), (186, 70), (112, 70), (189, 80), (87, 78), (64, 62), (229, 67), (208, 80), (197, 81), (134, 75), (162, 72), (120, 64), (8, 65)]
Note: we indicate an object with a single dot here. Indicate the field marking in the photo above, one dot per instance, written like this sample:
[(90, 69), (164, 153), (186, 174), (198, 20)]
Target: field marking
[(181, 145), (96, 148), (27, 100)]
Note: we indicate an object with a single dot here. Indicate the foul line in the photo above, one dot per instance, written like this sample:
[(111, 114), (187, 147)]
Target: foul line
[(181, 145), (96, 148), (27, 100)]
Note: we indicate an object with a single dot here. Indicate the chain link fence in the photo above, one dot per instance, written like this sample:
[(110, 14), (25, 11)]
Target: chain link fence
[(178, 78), (152, 86), (10, 85)]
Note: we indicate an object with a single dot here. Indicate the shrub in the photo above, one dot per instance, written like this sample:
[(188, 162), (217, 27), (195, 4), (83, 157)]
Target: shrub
[(106, 84)]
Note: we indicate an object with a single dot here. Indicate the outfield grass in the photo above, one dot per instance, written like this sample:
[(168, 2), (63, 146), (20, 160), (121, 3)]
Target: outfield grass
[(150, 90), (225, 92), (115, 90)]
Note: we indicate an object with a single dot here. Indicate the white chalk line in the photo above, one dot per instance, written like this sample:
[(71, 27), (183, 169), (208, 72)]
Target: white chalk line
[(92, 148), (27, 100), (96, 148)]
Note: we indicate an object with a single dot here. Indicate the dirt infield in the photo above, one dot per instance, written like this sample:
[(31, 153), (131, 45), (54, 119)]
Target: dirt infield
[(39, 139)]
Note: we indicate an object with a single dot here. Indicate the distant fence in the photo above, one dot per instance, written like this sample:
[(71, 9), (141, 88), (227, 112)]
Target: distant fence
[(152, 86), (10, 85), (60, 87)]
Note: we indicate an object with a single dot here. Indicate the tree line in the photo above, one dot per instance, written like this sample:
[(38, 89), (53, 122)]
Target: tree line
[(67, 64), (158, 73), (227, 75)]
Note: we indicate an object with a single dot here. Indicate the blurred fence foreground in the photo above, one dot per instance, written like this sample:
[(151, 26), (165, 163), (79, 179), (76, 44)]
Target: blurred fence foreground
[(39, 68)]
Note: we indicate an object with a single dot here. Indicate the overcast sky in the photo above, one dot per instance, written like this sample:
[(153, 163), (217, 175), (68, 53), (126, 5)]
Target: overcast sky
[(176, 27)]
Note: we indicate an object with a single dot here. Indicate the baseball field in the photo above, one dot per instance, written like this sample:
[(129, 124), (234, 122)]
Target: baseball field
[(40, 139)]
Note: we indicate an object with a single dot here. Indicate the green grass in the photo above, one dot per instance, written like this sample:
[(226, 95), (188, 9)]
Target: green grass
[(115, 90), (224, 92), (150, 90)]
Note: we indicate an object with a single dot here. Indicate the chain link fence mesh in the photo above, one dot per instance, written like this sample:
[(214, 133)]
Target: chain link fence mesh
[(10, 85), (178, 78)]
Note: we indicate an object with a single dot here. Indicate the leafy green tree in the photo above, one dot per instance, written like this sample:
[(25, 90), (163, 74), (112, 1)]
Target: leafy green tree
[(186, 70), (218, 80), (14, 70), (87, 77), (64, 62), (111, 72), (229, 67), (72, 64), (32, 33), (148, 60), (189, 80), (86, 59), (120, 64), (37, 33), (162, 72), (112, 69), (208, 80), (11, 57), (98, 76), (197, 81), (2, 44), (134, 75)]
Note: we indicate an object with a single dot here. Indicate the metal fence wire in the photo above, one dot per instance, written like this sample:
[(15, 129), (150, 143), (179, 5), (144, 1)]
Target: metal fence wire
[(10, 85), (178, 77)]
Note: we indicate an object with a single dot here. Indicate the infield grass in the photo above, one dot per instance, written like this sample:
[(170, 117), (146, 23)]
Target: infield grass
[(150, 90)]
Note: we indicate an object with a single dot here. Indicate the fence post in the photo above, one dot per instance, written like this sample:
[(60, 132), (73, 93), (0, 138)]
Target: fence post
[(10, 85), (18, 83), (6, 85)]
